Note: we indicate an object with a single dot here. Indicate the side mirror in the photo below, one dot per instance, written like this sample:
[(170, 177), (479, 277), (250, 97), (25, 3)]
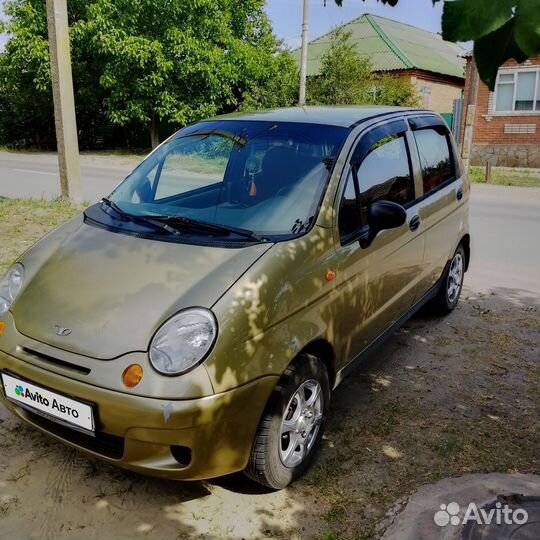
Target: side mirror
[(383, 215)]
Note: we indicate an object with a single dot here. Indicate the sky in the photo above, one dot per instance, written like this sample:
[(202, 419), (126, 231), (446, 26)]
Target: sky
[(286, 16)]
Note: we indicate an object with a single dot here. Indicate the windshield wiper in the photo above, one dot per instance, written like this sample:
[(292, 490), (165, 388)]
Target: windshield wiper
[(139, 219), (169, 223), (115, 207), (211, 227)]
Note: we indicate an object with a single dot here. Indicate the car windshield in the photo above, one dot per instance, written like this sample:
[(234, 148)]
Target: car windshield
[(264, 177)]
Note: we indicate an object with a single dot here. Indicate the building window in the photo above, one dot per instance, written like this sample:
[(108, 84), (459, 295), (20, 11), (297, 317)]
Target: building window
[(518, 91)]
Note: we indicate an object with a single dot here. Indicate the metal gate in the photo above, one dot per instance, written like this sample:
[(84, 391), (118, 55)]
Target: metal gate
[(456, 120)]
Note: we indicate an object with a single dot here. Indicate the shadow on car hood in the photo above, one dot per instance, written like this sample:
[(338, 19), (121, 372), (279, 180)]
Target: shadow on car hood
[(113, 291)]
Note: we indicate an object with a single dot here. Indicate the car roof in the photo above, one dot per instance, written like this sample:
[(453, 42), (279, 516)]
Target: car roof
[(345, 116)]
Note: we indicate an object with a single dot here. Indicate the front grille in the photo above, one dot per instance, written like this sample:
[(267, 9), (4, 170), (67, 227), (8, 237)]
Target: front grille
[(104, 444), (55, 361)]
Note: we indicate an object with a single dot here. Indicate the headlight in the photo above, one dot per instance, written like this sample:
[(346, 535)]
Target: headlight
[(183, 341), (10, 285)]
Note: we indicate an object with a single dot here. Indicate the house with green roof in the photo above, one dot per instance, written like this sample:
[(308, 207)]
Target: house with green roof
[(435, 67)]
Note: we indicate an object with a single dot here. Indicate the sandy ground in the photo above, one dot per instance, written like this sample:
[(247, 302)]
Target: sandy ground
[(443, 397)]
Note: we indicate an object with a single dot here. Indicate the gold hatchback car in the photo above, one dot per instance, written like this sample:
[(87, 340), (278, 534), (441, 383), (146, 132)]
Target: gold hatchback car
[(194, 323)]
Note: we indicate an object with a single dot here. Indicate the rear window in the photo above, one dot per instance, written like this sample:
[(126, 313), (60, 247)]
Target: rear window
[(435, 158)]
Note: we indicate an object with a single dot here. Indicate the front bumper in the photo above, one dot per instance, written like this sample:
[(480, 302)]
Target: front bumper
[(137, 433)]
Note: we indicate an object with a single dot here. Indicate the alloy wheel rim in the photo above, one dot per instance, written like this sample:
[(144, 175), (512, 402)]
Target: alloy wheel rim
[(455, 277), (301, 423)]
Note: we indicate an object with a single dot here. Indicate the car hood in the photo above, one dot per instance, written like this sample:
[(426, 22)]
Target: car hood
[(113, 291)]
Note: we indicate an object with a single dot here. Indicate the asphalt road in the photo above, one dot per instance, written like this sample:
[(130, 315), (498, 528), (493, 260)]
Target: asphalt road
[(505, 236), (505, 221), (36, 174)]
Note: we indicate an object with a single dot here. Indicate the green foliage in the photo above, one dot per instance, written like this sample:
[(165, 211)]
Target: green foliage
[(277, 88), (24, 75), (144, 62), (346, 78), (395, 91), (500, 29)]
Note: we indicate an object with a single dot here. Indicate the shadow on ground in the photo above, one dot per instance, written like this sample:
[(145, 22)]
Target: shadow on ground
[(444, 397)]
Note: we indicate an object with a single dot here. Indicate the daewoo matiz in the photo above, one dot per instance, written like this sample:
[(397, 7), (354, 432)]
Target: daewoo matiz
[(195, 322)]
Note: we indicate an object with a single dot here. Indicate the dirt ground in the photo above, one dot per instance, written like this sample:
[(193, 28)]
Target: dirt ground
[(444, 397)]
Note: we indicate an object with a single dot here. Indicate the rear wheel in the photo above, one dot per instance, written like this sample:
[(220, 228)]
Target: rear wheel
[(448, 296), (291, 427)]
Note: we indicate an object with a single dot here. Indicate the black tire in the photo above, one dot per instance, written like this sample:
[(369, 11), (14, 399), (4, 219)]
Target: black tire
[(265, 465), (445, 302)]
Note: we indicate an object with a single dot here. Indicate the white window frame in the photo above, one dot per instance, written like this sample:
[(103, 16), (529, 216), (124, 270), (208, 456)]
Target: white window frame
[(514, 72)]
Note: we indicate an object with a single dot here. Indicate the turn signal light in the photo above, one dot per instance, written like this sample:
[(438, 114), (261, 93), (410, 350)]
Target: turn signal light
[(132, 375)]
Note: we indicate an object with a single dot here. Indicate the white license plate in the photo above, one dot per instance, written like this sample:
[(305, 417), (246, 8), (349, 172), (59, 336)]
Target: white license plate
[(50, 403)]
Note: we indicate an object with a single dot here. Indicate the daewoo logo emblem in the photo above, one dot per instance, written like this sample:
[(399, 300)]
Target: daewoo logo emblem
[(62, 331)]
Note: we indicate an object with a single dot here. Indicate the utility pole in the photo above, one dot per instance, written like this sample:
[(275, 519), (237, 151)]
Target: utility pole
[(64, 101), (303, 62)]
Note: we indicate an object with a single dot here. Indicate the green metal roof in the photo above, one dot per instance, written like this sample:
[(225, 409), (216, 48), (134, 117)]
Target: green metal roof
[(392, 45)]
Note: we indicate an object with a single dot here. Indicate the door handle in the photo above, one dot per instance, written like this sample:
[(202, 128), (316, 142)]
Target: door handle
[(414, 223), (459, 194)]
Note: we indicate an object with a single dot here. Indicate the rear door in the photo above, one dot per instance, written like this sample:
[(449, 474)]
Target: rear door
[(377, 282), (441, 208)]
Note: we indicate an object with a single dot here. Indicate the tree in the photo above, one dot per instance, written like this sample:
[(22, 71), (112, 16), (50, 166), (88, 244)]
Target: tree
[(25, 95), (25, 79), (277, 85), (347, 78), (500, 29), (178, 61), (146, 62)]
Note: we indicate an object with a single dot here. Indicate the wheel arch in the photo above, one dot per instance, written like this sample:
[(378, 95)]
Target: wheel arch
[(323, 349), (466, 243)]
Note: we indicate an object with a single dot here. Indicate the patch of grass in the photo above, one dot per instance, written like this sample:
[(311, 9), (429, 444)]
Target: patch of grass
[(318, 477), (24, 221), (119, 152), (449, 446), (335, 514), (14, 150), (505, 177)]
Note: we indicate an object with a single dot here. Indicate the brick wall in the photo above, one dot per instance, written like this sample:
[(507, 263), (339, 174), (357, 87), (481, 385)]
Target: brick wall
[(490, 142)]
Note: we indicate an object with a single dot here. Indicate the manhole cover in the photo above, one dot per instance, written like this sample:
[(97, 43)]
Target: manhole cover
[(509, 517)]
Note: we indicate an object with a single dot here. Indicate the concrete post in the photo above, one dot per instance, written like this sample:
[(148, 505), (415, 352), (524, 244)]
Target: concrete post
[(64, 102), (467, 138), (303, 61)]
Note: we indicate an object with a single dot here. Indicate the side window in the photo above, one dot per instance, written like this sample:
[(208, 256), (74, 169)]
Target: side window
[(435, 158), (349, 214), (385, 173)]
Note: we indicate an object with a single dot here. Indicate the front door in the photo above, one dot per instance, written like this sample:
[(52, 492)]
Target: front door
[(378, 279)]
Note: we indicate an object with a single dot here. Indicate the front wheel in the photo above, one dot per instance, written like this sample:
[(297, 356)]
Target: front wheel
[(291, 427), (452, 283)]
